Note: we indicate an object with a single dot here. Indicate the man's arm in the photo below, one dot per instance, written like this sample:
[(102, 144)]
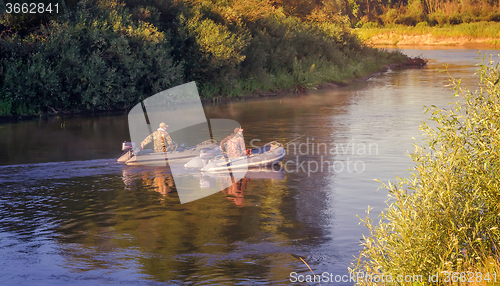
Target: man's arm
[(147, 140), (168, 139), (242, 146), (224, 142)]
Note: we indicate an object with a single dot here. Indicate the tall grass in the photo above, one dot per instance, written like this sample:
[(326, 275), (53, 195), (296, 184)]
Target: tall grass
[(309, 73), (477, 30), (433, 12), (446, 215)]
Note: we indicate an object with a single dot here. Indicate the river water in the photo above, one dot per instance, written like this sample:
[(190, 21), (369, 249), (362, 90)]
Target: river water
[(70, 215)]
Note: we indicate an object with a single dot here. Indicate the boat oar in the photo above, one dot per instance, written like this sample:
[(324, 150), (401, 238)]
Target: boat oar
[(284, 144)]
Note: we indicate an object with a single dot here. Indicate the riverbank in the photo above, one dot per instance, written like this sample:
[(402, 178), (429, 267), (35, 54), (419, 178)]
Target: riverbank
[(361, 73), (123, 56), (409, 62), (484, 33), (307, 74)]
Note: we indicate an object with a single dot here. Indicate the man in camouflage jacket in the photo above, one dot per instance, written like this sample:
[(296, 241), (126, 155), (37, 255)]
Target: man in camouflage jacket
[(161, 140), (233, 145)]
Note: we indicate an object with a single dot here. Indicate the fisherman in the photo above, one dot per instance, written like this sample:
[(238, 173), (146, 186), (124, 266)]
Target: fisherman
[(161, 139), (233, 146)]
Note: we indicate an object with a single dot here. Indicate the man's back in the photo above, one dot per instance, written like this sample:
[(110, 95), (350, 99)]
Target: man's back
[(234, 146), (161, 139)]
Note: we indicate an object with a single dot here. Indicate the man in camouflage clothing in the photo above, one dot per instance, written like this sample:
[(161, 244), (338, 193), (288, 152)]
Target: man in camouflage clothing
[(162, 141), (233, 145)]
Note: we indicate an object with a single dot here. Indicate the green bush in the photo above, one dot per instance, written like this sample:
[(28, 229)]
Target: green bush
[(437, 18), (493, 16), (390, 16), (445, 216), (455, 18), (99, 59), (5, 103), (370, 25), (24, 22), (422, 25)]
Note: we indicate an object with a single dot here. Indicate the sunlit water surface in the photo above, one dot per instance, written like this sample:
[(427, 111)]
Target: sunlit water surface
[(70, 215)]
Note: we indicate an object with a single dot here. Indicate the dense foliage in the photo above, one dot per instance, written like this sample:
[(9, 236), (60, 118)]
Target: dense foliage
[(432, 12), (97, 58), (445, 217), (373, 13), (105, 55)]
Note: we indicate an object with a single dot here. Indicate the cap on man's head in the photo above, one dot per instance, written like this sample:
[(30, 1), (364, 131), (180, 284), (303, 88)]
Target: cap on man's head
[(237, 129), (163, 125)]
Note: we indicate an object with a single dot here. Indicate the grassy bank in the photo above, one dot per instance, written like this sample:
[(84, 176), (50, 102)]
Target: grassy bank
[(308, 74), (446, 215), (108, 55), (423, 34)]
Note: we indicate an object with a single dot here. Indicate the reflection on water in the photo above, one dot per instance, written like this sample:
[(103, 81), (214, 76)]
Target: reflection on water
[(71, 215), (236, 191), (159, 179)]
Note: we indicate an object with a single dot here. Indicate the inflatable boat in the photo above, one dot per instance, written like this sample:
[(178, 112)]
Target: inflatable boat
[(135, 157), (214, 161)]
